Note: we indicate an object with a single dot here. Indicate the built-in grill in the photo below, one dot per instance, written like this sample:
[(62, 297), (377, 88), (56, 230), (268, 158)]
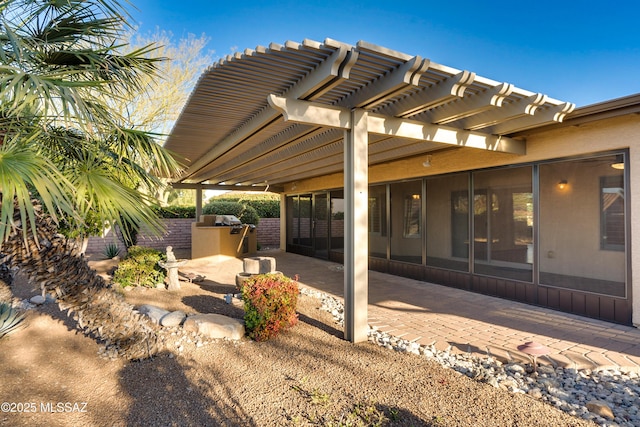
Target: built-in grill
[(229, 221), (222, 235)]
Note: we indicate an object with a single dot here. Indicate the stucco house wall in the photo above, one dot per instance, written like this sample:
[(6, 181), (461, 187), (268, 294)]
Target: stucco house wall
[(584, 139)]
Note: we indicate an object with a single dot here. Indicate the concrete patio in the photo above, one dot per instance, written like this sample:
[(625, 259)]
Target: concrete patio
[(463, 321)]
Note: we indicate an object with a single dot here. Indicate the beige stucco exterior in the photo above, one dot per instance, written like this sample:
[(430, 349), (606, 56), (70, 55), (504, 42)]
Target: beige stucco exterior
[(622, 132)]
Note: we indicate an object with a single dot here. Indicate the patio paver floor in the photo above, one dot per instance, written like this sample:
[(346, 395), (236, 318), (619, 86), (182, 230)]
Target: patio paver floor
[(464, 321)]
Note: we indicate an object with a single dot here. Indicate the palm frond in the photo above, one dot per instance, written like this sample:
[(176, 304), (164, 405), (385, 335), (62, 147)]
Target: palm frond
[(24, 174), (61, 138), (99, 190)]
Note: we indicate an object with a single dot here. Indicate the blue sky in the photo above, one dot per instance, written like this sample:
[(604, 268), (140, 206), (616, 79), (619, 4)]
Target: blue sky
[(578, 51)]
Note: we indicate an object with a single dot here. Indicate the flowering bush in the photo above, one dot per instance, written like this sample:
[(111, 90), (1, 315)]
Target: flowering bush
[(270, 302)]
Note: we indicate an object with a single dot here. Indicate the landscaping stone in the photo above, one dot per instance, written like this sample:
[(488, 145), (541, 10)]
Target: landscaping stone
[(154, 313), (37, 300), (600, 408), (215, 326), (175, 318)]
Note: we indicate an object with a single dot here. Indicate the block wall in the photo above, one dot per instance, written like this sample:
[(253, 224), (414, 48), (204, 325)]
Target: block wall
[(178, 235)]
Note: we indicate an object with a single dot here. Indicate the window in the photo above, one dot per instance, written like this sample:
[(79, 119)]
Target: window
[(582, 225), (375, 213), (378, 239), (503, 223), (337, 220), (612, 213), (447, 233), (405, 230), (412, 216)]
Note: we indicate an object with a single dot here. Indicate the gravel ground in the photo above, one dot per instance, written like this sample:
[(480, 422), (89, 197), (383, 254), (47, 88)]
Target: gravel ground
[(309, 375)]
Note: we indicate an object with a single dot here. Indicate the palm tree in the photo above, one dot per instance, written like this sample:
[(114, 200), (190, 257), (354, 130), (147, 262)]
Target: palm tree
[(61, 138), (67, 154)]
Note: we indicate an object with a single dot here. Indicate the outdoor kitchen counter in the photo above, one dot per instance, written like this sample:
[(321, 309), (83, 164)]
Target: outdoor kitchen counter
[(210, 240)]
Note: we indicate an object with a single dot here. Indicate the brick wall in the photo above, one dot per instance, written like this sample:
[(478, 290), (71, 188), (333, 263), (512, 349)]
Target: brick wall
[(98, 244), (178, 235), (269, 233)]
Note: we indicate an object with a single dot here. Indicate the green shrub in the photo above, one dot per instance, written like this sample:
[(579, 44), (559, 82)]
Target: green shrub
[(266, 207), (266, 204), (270, 302), (246, 214), (140, 268), (175, 211)]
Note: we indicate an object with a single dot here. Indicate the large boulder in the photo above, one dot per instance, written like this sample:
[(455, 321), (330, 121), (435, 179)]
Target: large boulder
[(152, 312), (175, 318), (215, 326)]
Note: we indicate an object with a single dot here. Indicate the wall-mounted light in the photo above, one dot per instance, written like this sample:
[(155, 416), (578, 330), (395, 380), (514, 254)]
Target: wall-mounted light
[(427, 163), (618, 165), (562, 184)]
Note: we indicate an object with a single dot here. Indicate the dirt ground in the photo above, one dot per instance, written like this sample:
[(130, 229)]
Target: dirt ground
[(53, 375)]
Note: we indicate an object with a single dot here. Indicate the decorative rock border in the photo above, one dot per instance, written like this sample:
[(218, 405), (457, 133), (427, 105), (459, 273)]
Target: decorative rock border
[(210, 325), (606, 397)]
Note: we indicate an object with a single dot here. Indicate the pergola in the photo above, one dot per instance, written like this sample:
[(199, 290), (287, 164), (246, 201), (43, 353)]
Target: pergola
[(284, 113)]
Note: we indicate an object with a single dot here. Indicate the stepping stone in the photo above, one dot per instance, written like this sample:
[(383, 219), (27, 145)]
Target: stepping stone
[(215, 326), (190, 276)]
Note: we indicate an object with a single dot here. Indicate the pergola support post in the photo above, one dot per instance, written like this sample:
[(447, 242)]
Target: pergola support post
[(356, 247), (198, 203)]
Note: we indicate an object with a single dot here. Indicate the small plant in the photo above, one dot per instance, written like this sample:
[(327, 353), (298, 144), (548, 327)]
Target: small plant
[(140, 268), (10, 320), (111, 251), (394, 414), (361, 415), (270, 302), (315, 397)]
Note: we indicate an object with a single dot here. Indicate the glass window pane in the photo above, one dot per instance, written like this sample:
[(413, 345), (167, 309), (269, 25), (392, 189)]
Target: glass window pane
[(582, 221), (320, 225), (412, 218), (612, 234), (503, 223), (406, 217), (448, 222), (292, 219), (305, 220), (378, 221), (337, 221)]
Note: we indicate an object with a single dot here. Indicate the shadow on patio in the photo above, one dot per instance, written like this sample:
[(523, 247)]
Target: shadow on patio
[(460, 320)]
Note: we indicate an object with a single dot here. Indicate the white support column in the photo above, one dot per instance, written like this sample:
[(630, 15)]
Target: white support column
[(356, 247)]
